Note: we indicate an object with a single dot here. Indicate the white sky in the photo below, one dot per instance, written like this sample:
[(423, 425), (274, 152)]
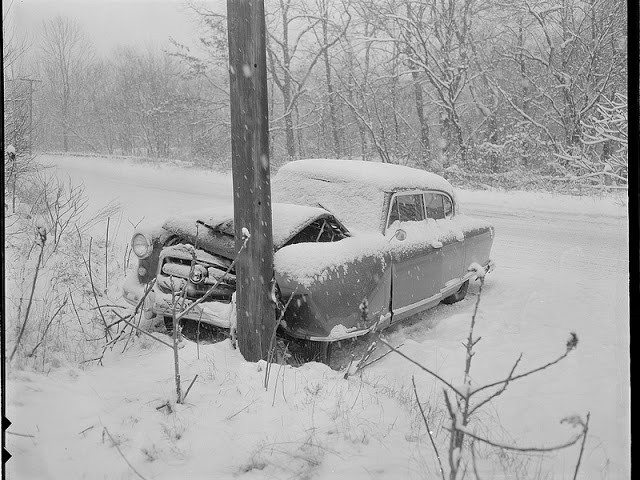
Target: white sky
[(109, 23)]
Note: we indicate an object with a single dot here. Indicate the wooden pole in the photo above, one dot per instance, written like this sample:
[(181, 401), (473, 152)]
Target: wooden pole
[(251, 178)]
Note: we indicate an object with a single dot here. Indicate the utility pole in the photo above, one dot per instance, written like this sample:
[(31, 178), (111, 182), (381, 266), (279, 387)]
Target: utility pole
[(251, 176)]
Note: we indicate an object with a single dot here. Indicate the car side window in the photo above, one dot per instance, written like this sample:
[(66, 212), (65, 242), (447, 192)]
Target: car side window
[(435, 205), (448, 207), (407, 208)]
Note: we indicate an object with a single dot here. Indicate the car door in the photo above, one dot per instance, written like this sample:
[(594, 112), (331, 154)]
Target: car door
[(439, 207), (416, 272)]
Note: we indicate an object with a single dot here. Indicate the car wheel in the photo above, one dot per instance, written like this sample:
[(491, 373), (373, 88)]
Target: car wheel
[(168, 324), (317, 351), (459, 295)]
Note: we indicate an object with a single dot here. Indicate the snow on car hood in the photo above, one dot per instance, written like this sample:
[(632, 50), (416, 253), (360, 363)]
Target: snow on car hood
[(288, 220)]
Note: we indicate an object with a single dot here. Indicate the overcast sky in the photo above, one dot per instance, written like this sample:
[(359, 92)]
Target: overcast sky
[(109, 23)]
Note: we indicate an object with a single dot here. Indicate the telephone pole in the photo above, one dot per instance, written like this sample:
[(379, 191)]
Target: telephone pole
[(251, 176)]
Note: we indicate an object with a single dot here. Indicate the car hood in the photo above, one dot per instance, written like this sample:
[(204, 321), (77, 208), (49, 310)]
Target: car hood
[(218, 232)]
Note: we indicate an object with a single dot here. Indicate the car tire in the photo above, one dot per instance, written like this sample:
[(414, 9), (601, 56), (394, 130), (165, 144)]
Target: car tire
[(459, 295), (317, 351), (168, 324)]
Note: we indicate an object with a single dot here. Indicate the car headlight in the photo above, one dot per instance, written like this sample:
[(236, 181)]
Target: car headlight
[(198, 274), (141, 245)]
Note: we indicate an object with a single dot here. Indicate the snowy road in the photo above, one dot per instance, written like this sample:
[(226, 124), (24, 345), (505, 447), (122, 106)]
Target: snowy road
[(562, 267)]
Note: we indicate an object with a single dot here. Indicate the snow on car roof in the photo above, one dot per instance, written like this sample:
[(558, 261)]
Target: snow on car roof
[(354, 191), (385, 176), (288, 220)]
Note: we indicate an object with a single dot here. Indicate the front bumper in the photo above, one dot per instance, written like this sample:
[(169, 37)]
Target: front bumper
[(219, 314)]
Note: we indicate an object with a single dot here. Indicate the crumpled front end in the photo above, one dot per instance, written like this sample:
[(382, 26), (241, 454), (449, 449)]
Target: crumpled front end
[(185, 275)]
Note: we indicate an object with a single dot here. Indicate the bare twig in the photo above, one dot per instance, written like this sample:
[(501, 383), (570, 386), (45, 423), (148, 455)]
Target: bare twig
[(470, 341), (146, 333), (498, 392), (165, 404), (114, 443), (346, 373), (377, 358), (422, 367), (585, 431), (44, 334), (473, 461), (189, 388), (241, 410), (504, 446), (107, 333), (77, 315), (86, 429), (272, 345), (176, 358), (21, 434), (43, 238), (135, 327), (106, 258), (426, 424), (525, 374)]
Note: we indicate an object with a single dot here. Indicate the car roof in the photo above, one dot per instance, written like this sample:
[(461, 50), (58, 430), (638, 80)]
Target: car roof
[(385, 176), (354, 191)]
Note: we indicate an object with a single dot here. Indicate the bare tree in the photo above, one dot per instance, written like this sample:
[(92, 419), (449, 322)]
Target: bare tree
[(67, 52), (13, 45), (289, 72), (567, 57), (438, 41)]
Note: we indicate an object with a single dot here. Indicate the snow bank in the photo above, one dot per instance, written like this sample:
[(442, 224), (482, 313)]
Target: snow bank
[(310, 423), (529, 203)]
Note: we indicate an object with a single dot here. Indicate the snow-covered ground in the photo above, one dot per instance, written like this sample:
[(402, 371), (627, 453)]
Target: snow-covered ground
[(562, 267)]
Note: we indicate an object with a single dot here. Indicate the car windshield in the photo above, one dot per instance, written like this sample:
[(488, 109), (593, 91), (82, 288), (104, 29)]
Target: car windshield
[(322, 230)]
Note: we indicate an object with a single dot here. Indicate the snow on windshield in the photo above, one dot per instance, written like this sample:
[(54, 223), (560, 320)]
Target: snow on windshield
[(352, 190)]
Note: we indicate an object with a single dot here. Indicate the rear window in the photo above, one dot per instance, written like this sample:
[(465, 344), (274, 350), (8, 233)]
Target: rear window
[(435, 206), (438, 205)]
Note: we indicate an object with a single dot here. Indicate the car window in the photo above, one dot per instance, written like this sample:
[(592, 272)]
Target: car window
[(448, 207), (407, 208), (435, 205)]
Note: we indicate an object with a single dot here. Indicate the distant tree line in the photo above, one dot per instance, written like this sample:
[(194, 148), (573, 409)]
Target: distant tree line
[(467, 86)]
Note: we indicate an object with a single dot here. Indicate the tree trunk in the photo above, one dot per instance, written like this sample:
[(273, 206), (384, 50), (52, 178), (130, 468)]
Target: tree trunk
[(424, 126), (333, 116)]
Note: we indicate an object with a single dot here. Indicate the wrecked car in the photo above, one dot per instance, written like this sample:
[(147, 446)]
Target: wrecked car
[(358, 246)]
